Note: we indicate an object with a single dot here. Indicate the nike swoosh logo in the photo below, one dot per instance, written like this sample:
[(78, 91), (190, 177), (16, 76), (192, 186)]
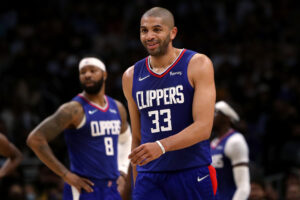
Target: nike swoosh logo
[(141, 79), (200, 179), (92, 111)]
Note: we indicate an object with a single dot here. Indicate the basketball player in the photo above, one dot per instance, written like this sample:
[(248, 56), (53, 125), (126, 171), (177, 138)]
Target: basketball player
[(171, 98), (92, 123), (230, 155), (12, 153)]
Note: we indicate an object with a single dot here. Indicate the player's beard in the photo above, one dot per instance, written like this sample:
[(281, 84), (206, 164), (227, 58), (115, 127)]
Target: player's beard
[(161, 49), (93, 89)]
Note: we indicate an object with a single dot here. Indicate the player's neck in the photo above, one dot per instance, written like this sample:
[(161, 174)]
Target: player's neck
[(159, 63), (96, 98), (223, 131)]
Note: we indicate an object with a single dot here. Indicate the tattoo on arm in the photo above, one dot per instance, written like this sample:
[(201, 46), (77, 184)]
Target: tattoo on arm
[(63, 118)]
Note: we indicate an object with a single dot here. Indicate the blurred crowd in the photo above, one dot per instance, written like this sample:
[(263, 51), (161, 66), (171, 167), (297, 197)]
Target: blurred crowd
[(253, 45)]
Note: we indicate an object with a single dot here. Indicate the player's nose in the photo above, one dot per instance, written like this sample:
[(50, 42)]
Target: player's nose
[(88, 74), (150, 36)]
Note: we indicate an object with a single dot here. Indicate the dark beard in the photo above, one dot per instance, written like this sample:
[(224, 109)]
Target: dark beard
[(93, 89), (162, 49)]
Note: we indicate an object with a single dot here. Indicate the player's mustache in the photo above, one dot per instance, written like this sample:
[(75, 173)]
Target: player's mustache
[(88, 82)]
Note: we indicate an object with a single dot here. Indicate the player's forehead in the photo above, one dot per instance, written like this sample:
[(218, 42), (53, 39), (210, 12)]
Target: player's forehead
[(151, 21), (89, 67)]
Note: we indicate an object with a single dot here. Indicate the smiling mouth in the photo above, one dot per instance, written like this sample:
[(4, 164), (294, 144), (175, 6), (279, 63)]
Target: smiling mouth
[(152, 46)]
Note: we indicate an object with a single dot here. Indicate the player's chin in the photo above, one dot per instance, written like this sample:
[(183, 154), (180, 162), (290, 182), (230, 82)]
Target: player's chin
[(153, 52)]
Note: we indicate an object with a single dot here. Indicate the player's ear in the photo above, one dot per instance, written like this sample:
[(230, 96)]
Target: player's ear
[(173, 33), (105, 75)]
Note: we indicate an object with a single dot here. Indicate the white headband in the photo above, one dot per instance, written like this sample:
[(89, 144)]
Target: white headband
[(92, 61), (227, 110)]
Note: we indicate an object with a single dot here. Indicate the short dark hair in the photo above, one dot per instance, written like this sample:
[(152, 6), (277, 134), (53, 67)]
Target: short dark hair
[(163, 13)]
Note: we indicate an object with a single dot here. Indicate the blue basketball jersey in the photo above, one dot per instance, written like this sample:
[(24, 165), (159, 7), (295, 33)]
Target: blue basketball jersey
[(222, 164), (92, 148), (165, 106)]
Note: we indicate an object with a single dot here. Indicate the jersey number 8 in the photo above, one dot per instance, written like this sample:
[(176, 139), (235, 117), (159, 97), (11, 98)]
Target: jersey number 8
[(109, 147)]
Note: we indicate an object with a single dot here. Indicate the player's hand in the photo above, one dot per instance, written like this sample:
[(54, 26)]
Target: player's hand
[(78, 182), (145, 153), (121, 182)]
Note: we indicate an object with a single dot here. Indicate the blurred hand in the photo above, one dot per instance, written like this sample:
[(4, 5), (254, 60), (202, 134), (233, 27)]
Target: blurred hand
[(78, 182), (145, 153), (121, 182)]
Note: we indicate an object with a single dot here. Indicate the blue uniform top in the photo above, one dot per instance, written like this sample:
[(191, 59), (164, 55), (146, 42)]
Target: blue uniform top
[(165, 106), (222, 164), (93, 147)]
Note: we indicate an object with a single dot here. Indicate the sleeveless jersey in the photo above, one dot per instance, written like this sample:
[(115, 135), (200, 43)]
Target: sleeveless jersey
[(222, 164), (93, 147), (165, 106)]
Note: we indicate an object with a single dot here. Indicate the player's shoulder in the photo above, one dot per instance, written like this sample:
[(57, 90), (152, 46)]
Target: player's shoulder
[(122, 110), (127, 81), (200, 59), (128, 74), (200, 67), (71, 107), (119, 104), (71, 111)]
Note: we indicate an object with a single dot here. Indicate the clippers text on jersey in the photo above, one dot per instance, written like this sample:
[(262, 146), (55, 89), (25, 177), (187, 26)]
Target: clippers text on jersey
[(157, 97)]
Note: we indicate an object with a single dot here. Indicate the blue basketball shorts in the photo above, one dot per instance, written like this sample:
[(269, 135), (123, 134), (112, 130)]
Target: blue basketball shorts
[(104, 190), (192, 184)]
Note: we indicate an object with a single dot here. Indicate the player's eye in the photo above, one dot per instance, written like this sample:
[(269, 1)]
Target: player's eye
[(157, 30), (143, 30)]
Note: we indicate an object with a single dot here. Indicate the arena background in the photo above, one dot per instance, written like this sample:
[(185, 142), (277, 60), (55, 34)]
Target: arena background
[(254, 45)]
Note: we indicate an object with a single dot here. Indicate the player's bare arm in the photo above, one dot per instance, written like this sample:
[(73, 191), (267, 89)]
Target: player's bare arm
[(133, 111), (50, 128), (68, 115), (201, 77), (12, 153), (123, 115), (124, 144)]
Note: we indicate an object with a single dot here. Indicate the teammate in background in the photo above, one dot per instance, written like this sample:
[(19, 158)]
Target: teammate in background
[(12, 153), (94, 125), (230, 155), (171, 98)]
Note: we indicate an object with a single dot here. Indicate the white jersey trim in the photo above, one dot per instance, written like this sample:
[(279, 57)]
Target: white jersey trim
[(167, 67), (75, 193), (95, 105), (82, 122)]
